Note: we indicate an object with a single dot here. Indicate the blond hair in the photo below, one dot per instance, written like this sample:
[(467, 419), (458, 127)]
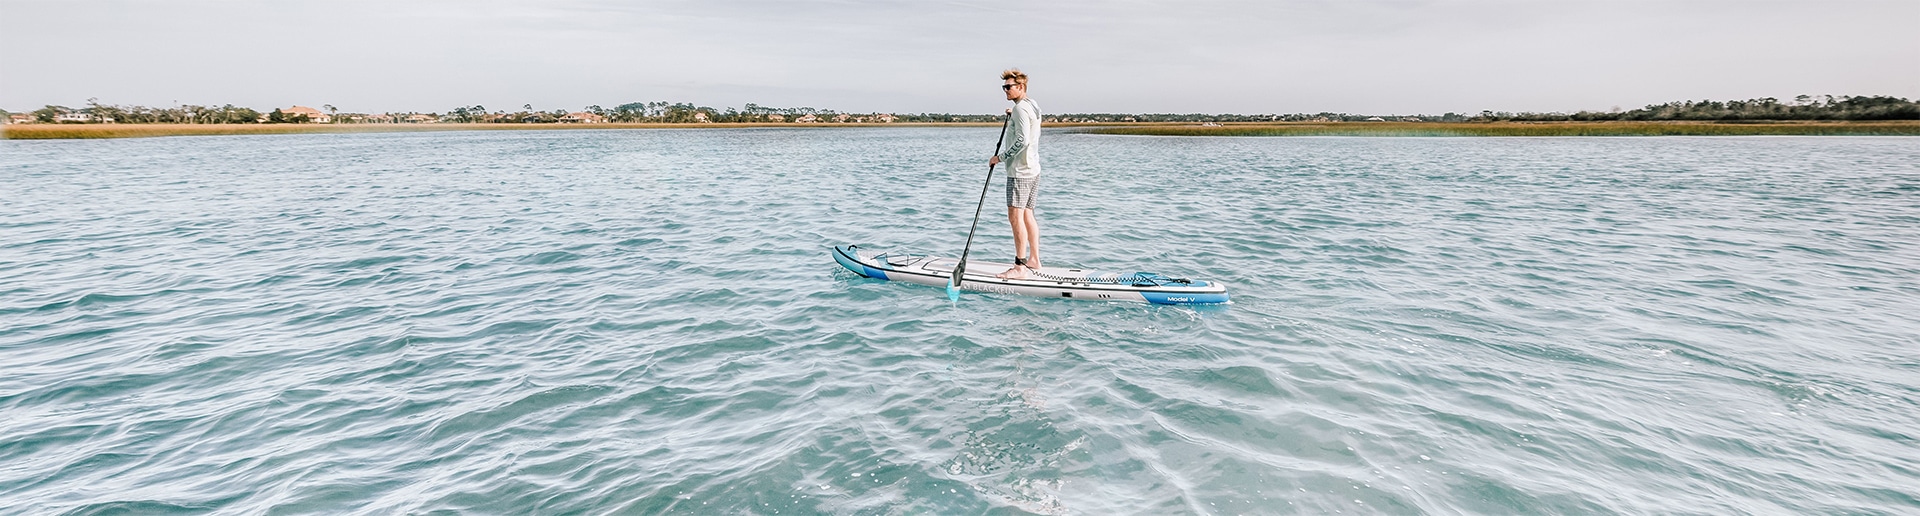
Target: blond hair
[(1018, 76)]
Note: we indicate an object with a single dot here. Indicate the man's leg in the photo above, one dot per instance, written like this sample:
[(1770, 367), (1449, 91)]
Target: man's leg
[(1020, 240), (1033, 237)]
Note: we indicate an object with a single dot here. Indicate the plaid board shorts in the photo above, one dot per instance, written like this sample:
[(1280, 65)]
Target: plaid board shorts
[(1022, 193)]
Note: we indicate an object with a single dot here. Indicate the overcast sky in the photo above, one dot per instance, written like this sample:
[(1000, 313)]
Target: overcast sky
[(1274, 56)]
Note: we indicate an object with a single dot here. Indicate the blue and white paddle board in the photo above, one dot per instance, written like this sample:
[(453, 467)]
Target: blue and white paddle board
[(1055, 282)]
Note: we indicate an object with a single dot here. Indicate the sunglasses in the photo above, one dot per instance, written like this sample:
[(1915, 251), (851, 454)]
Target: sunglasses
[(1007, 86)]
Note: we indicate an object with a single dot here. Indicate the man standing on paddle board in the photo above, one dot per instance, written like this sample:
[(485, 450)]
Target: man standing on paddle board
[(1022, 155)]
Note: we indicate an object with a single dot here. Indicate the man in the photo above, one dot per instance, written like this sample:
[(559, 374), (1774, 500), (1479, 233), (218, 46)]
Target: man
[(1021, 152)]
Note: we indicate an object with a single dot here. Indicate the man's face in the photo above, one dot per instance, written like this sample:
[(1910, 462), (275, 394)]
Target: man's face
[(1014, 90)]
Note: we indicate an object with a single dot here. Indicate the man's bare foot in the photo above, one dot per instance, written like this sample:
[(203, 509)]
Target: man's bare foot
[(1015, 272), (1034, 263)]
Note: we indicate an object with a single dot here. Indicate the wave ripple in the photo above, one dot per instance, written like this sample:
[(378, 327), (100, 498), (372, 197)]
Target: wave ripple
[(648, 322)]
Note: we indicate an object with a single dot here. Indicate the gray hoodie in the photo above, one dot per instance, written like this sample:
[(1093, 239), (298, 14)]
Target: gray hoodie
[(1020, 149)]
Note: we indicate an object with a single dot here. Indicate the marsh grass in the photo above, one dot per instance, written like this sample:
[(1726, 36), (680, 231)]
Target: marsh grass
[(91, 131), (1902, 128)]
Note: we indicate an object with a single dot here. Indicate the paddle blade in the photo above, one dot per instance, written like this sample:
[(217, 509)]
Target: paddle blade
[(953, 282)]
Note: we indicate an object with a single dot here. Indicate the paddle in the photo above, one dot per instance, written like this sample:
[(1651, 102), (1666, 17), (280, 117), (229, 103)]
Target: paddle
[(960, 269)]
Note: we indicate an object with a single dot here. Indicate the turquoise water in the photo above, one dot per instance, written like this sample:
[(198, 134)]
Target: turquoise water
[(649, 321)]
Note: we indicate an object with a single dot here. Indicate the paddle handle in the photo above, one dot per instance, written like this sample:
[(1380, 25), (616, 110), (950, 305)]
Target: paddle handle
[(960, 269)]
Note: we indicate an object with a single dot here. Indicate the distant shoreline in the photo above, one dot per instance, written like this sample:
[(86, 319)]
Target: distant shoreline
[(89, 131), (1446, 129), (1381, 129)]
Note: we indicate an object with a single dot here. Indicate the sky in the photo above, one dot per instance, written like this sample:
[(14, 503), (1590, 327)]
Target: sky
[(1115, 56)]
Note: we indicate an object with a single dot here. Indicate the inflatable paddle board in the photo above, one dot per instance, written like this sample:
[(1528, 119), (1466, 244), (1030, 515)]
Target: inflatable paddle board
[(1047, 282)]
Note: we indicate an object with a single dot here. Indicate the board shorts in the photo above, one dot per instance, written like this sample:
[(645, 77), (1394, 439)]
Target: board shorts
[(1022, 193)]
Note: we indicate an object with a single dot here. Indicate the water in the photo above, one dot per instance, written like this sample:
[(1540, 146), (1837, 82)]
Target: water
[(649, 321)]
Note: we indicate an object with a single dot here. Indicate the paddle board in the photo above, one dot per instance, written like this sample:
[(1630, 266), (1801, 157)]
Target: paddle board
[(1057, 282)]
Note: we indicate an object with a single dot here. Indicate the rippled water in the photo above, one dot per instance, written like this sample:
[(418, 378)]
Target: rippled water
[(649, 321)]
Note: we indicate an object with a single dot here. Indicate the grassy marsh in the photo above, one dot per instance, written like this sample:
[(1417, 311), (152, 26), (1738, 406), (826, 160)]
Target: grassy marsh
[(1896, 128), (92, 131)]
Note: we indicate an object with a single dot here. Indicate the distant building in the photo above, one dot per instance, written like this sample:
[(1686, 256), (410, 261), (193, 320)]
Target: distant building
[(583, 118), (701, 117), (1375, 119), (74, 117), (883, 118), (421, 118), (778, 118), (841, 119), (806, 119), (313, 115), (20, 118)]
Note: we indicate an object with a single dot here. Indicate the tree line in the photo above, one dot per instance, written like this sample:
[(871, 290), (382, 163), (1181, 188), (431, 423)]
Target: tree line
[(632, 112), (1804, 107), (189, 114), (95, 112)]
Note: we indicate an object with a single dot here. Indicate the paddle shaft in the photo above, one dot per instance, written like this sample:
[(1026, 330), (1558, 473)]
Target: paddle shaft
[(960, 269)]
